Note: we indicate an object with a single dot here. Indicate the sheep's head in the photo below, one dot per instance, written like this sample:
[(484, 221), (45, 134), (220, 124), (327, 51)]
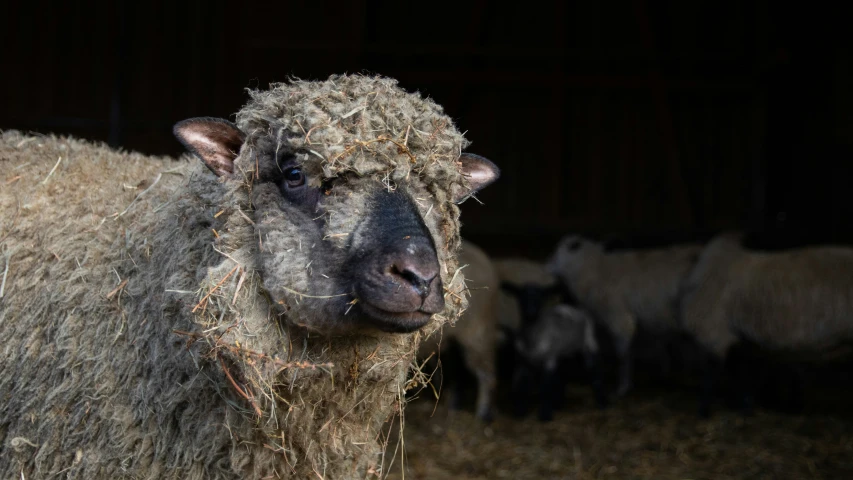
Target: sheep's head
[(353, 185), (560, 330), (532, 298), (573, 253)]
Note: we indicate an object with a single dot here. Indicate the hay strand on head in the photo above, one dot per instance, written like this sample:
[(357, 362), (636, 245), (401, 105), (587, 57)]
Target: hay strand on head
[(52, 170)]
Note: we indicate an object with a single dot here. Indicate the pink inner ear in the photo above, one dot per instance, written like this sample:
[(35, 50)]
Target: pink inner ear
[(215, 141), (479, 174), (479, 170), (206, 146)]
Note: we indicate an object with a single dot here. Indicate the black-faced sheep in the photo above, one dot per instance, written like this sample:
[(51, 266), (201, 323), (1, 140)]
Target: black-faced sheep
[(527, 287), (227, 318), (476, 330), (560, 331), (623, 288), (796, 302)]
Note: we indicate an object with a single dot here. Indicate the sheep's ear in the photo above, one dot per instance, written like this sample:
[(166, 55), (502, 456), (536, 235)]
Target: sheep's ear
[(215, 141), (479, 171)]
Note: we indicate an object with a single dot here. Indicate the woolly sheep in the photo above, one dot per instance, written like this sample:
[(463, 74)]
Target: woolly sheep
[(234, 317), (476, 329), (623, 288), (561, 331), (798, 301)]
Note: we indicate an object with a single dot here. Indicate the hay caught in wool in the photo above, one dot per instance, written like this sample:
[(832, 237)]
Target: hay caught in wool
[(142, 336), (365, 125)]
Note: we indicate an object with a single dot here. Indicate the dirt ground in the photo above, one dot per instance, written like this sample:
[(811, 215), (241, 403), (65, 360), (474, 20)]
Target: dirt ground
[(652, 433)]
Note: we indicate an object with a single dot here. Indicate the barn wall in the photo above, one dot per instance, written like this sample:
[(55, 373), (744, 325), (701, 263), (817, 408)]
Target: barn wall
[(606, 117)]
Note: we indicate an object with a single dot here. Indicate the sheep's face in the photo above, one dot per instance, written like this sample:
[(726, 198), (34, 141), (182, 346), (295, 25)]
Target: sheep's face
[(572, 254), (339, 254), (531, 298), (558, 332)]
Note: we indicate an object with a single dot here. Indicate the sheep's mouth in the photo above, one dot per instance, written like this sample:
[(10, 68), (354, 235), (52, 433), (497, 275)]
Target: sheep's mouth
[(394, 322)]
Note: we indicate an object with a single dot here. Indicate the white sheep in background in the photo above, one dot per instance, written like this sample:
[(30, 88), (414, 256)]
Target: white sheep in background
[(622, 289), (475, 331), (797, 301)]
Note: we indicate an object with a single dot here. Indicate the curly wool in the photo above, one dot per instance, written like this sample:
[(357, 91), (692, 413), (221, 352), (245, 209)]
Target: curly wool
[(188, 370), (356, 123), (356, 126)]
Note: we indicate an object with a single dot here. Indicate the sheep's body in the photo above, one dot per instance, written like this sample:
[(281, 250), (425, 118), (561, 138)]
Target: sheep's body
[(103, 386), (183, 327), (476, 330), (798, 301), (107, 355), (795, 304), (623, 288)]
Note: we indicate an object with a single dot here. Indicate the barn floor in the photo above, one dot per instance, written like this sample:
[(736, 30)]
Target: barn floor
[(651, 433)]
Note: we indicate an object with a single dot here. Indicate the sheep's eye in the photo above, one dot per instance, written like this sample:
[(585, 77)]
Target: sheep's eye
[(294, 177), (574, 245)]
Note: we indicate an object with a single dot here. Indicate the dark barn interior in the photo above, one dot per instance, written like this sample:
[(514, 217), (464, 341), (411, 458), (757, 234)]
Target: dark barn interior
[(640, 123)]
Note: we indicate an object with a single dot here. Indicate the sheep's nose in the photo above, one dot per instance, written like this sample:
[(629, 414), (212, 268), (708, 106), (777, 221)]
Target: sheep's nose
[(407, 280), (399, 289), (409, 271)]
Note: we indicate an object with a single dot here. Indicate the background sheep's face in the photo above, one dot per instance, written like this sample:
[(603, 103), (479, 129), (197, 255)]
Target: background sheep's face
[(573, 253), (557, 331), (338, 254), (531, 298)]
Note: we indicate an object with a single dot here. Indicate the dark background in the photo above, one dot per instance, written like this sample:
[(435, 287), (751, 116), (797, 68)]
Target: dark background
[(642, 122)]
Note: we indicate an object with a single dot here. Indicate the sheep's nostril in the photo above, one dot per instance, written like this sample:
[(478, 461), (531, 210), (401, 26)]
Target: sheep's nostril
[(405, 280), (415, 277)]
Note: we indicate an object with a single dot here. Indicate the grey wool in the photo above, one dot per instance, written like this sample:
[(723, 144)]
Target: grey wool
[(160, 321)]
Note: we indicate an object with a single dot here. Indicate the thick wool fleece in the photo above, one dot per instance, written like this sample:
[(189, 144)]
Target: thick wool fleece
[(151, 311), (365, 133)]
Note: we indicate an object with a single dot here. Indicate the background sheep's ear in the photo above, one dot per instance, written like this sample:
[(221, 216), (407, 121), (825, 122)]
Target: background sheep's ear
[(215, 141), (479, 171)]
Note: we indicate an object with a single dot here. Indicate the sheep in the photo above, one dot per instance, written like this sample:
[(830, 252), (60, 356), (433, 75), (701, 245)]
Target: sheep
[(476, 330), (250, 315), (796, 302), (623, 288), (560, 331), (525, 289), (528, 288)]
